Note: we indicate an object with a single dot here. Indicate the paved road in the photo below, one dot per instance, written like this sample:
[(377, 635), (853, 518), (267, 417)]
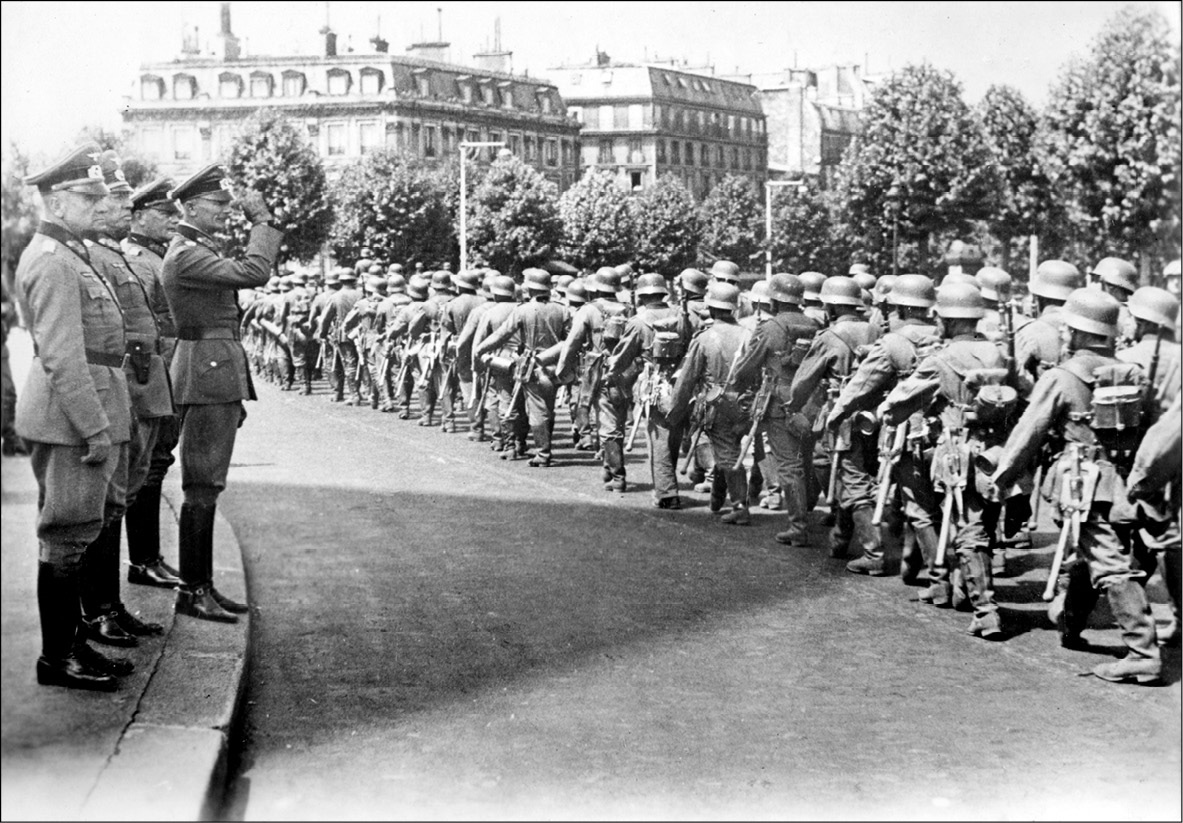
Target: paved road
[(441, 634)]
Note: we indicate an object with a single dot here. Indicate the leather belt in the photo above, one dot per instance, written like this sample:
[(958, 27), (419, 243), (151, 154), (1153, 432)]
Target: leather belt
[(194, 333), (96, 358)]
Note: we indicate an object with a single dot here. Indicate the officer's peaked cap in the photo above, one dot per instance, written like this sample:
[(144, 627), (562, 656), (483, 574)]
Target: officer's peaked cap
[(211, 180), (79, 170)]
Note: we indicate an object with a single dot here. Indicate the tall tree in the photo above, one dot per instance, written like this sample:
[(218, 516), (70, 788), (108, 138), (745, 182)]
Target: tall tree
[(20, 211), (667, 227), (920, 166), (802, 233), (1112, 139), (392, 206), (598, 224), (272, 155), (513, 220), (732, 218), (137, 168), (1026, 204)]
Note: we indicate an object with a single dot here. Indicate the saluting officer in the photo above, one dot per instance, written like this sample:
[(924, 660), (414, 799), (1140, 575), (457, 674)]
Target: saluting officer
[(153, 220), (74, 412), (1061, 410), (209, 370)]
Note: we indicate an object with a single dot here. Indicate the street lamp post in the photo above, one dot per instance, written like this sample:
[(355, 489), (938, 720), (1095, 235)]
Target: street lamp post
[(768, 186), (464, 198), (893, 195)]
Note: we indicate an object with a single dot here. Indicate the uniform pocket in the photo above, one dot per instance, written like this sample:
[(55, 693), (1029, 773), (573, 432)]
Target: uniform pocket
[(216, 376)]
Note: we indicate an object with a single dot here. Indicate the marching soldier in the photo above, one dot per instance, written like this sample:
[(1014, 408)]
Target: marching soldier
[(811, 301), (880, 315), (758, 488), (576, 297), (832, 358), (105, 619), (1119, 279), (596, 329), (333, 326), (776, 350), (399, 330), (541, 327), (721, 412), (74, 412), (325, 356), (891, 359), (509, 427), (692, 287), (300, 333), (959, 389), (1086, 486), (1037, 341), (362, 326), (209, 370), (424, 329), (153, 220), (725, 271), (458, 375), (656, 336)]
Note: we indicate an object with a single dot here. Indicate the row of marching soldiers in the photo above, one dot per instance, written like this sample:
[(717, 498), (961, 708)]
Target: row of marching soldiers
[(943, 415)]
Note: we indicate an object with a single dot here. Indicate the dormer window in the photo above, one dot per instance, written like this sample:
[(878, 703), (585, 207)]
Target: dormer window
[(371, 81), (151, 87), (262, 84), (294, 83), (184, 87), (506, 94), (544, 100), (488, 96), (422, 82), (229, 85), (340, 81)]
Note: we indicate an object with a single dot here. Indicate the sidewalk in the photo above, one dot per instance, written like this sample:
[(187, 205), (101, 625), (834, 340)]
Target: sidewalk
[(154, 749)]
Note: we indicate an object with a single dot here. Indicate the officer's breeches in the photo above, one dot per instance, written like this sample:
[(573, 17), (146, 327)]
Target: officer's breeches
[(144, 433), (207, 444), (168, 434), (74, 499)]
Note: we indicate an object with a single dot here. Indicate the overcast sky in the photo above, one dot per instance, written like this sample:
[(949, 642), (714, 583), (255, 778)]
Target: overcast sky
[(69, 64)]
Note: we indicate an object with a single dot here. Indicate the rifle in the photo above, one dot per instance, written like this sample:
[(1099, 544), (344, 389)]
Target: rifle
[(432, 361), (404, 364), (1151, 404), (481, 411), (898, 437), (698, 426), (953, 475), (832, 392), (643, 408), (521, 377), (759, 409), (1076, 498)]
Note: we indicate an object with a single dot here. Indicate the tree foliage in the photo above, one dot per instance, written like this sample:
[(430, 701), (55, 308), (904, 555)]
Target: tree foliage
[(598, 224), (732, 218), (921, 152), (513, 217), (802, 233), (1025, 205), (667, 228), (137, 168), (271, 154), (1112, 138), (394, 207), (20, 210)]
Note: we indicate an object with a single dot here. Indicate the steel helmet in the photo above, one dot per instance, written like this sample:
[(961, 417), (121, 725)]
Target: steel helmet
[(441, 281), (1171, 269), (576, 292), (726, 271), (959, 299), (377, 282), (693, 281), (467, 280), (1093, 311), (562, 282), (883, 287), (503, 285), (760, 293), (858, 268), (786, 288), (960, 277), (841, 291), (1155, 305), (812, 281), (913, 290), (865, 280), (1056, 279), (417, 286), (396, 283), (395, 268), (346, 275), (605, 281), (651, 283), (1117, 272), (536, 279), (994, 283), (723, 296), (625, 272), (375, 268), (331, 277)]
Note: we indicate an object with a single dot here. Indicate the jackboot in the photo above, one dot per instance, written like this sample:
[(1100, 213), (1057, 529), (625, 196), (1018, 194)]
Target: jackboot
[(541, 458), (911, 559), (60, 610), (614, 473), (718, 489), (841, 533), (939, 593), (738, 516), (196, 547), (1074, 601), (1142, 663), (1171, 575), (145, 565), (100, 589), (866, 536), (737, 486)]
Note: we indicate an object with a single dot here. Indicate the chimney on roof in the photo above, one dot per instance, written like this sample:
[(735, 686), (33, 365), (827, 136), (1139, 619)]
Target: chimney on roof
[(330, 41), (602, 58), (495, 59), (437, 52), (228, 45), (381, 46)]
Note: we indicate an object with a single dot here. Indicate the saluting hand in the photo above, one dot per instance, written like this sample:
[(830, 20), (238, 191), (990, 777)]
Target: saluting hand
[(255, 207)]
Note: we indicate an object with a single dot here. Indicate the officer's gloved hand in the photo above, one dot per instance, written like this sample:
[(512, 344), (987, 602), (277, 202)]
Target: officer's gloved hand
[(255, 207), (98, 449)]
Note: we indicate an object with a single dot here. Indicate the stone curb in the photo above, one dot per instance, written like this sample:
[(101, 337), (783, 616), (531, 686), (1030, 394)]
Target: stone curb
[(171, 760)]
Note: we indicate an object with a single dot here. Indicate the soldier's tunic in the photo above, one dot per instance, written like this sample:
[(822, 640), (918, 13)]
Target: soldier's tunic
[(362, 326), (656, 383), (76, 389), (424, 330), (210, 375), (146, 259), (332, 327), (458, 371), (725, 413), (1037, 346), (511, 427), (398, 332)]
